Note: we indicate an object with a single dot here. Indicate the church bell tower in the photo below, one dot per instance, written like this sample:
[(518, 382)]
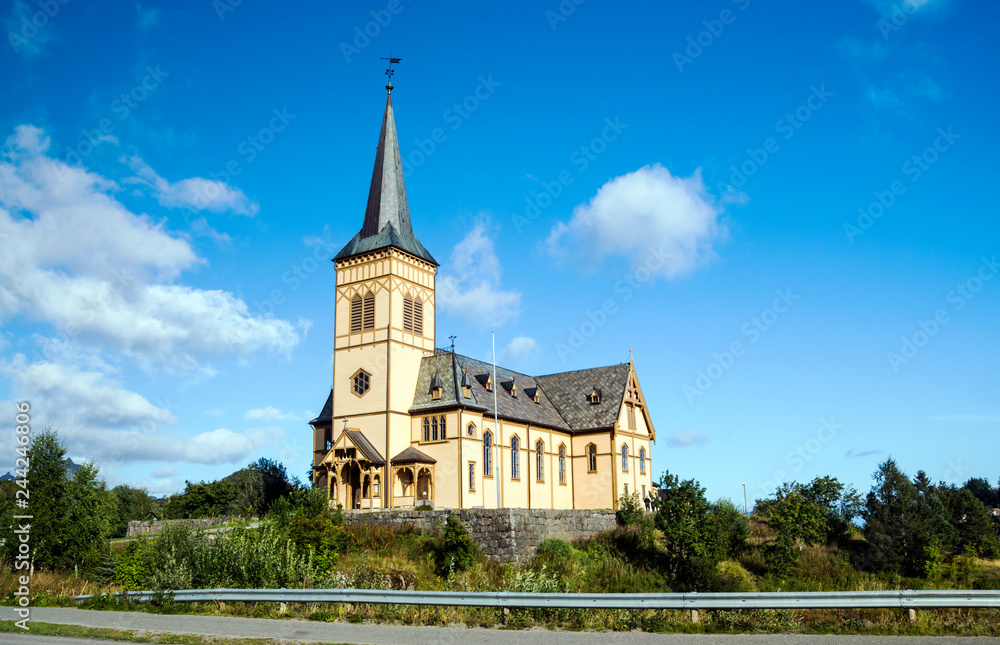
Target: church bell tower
[(384, 315)]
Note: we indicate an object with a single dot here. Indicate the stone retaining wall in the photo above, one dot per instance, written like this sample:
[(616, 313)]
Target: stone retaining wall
[(155, 527), (506, 534)]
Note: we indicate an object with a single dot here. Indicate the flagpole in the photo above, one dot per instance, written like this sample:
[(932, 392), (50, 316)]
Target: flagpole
[(496, 423)]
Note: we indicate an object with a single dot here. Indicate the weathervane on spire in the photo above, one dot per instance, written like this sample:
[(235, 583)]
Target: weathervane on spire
[(390, 71)]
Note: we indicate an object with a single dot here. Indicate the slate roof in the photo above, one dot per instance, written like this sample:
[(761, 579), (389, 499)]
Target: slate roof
[(387, 214), (367, 449), (569, 392), (563, 398), (413, 456)]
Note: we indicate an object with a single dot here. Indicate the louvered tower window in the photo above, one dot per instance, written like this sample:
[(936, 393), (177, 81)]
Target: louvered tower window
[(418, 317), (407, 313), (369, 311), (356, 310)]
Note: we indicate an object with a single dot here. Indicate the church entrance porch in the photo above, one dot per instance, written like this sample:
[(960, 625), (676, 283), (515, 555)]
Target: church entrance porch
[(353, 471), (413, 479)]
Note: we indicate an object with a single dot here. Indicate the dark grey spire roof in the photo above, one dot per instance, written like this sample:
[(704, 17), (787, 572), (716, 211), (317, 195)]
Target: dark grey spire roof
[(326, 416), (387, 215)]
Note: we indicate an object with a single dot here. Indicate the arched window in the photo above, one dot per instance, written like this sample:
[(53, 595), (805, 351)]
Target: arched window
[(356, 311), (488, 454), (427, 429), (642, 461), (434, 428), (515, 458), (562, 464), (539, 461), (471, 430), (591, 458), (377, 486), (369, 311), (441, 428), (624, 458)]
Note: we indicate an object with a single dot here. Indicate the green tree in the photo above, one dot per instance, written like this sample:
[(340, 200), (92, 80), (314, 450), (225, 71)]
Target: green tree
[(972, 523), (683, 515), (980, 487), (731, 528), (133, 504), (906, 524), (458, 549), (93, 512), (72, 518)]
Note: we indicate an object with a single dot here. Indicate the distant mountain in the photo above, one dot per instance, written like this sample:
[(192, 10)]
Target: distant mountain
[(71, 469)]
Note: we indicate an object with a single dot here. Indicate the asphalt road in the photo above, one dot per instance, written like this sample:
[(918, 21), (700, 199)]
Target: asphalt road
[(313, 632)]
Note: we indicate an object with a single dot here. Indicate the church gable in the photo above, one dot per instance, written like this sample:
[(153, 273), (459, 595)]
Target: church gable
[(635, 415)]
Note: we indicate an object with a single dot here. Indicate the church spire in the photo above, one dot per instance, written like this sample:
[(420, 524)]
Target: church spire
[(387, 195), (387, 214)]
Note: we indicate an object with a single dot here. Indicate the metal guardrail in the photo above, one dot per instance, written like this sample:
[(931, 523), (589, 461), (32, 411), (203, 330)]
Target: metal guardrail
[(692, 601)]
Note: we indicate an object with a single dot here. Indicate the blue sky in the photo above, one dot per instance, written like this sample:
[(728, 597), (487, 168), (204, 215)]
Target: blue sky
[(785, 209)]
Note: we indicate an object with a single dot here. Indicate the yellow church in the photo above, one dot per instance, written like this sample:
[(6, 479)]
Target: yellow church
[(407, 424)]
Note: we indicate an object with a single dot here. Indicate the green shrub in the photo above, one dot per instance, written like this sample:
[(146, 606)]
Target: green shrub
[(458, 549), (631, 509), (555, 549)]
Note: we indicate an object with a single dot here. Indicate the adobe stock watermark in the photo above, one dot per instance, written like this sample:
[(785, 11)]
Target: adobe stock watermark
[(800, 455), (22, 496), (297, 274), (120, 107), (753, 329), (628, 286), (898, 16), (580, 159), (248, 149), (365, 34), (714, 28), (787, 127), (958, 298), (222, 7), (454, 116), (913, 169), (562, 12), (31, 27)]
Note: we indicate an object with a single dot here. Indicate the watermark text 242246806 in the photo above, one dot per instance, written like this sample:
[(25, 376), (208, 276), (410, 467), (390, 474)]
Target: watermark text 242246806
[(22, 561)]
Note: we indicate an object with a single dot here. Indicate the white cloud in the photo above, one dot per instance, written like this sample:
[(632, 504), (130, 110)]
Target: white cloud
[(268, 414), (95, 398), (107, 283), (686, 438), (161, 473), (518, 347), (195, 192), (470, 287), (101, 274), (215, 412), (664, 223)]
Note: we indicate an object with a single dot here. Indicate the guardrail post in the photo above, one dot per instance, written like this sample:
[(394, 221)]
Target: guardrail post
[(912, 613), (694, 615)]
